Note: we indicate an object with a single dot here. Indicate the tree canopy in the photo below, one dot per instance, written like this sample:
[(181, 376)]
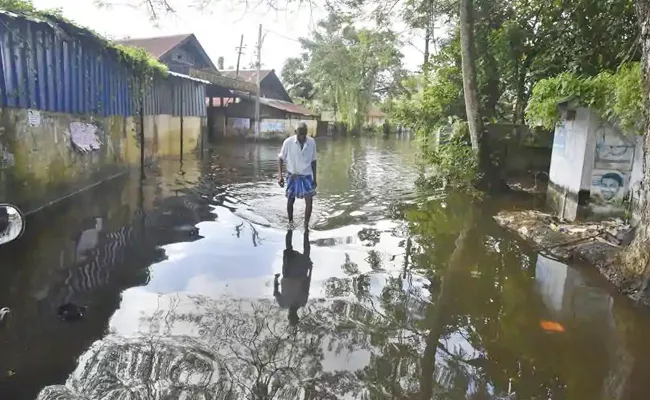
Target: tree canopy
[(345, 68)]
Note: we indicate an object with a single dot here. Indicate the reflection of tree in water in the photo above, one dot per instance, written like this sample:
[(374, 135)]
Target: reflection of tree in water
[(456, 322), (214, 350)]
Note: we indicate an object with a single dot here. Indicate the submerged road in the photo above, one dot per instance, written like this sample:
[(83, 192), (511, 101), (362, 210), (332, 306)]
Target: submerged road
[(411, 294)]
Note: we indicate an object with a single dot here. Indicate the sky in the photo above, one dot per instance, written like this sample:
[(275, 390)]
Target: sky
[(218, 28)]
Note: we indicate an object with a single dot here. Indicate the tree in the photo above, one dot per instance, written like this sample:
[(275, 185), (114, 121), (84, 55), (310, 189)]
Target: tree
[(346, 68), (637, 257), (296, 79), (469, 75)]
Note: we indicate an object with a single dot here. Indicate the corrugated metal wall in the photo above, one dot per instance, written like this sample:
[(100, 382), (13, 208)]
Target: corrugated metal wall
[(175, 96), (42, 68)]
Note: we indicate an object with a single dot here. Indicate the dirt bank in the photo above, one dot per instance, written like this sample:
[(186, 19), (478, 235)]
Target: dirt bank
[(589, 243)]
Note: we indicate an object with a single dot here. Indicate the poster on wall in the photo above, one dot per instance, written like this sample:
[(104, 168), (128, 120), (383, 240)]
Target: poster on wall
[(84, 137), (608, 187), (613, 149), (34, 117)]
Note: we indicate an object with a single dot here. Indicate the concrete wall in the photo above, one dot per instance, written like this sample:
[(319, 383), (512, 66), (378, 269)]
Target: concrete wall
[(567, 164), (521, 151), (40, 163), (591, 166), (162, 135), (270, 128), (612, 162)]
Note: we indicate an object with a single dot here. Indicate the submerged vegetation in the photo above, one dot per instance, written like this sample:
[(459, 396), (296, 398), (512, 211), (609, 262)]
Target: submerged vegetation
[(142, 64)]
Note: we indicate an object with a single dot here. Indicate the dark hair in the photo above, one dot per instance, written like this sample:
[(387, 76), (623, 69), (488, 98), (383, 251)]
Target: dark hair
[(614, 176)]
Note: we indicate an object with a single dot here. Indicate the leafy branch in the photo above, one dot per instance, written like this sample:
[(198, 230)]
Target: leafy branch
[(616, 96)]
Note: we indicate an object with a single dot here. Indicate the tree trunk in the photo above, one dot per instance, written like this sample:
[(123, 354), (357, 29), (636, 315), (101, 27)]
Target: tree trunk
[(636, 259), (490, 178), (520, 105), (470, 88)]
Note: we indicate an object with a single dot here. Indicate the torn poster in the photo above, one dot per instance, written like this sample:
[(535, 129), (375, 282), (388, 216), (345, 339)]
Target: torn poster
[(84, 137)]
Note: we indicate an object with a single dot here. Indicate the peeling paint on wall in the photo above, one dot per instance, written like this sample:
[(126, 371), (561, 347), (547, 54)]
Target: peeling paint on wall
[(84, 137)]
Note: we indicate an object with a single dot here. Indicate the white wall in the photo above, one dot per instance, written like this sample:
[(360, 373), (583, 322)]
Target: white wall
[(569, 150), (593, 121)]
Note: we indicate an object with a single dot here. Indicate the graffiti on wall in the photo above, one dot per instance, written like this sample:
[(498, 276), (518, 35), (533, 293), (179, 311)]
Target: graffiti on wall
[(608, 187), (613, 149), (84, 137), (273, 125)]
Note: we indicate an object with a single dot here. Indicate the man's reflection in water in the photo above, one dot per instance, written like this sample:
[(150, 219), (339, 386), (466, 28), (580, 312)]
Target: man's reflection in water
[(296, 278)]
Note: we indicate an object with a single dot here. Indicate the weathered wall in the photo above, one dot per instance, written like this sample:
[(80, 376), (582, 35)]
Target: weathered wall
[(522, 152), (611, 161), (270, 128), (567, 164), (41, 164), (591, 167), (163, 134), (90, 103)]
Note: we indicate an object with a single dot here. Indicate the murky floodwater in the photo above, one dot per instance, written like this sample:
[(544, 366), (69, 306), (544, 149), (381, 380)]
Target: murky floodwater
[(411, 295)]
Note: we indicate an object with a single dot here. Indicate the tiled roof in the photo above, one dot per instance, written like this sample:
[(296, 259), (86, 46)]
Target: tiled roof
[(157, 46), (247, 75)]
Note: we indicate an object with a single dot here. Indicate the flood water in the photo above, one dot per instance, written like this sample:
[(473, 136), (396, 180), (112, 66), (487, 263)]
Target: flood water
[(412, 294)]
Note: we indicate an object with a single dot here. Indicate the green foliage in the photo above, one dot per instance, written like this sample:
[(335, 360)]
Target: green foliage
[(139, 61), (345, 68), (617, 96), (519, 42), (454, 161)]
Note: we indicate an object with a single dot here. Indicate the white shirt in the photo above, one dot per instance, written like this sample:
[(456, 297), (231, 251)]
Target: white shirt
[(298, 160)]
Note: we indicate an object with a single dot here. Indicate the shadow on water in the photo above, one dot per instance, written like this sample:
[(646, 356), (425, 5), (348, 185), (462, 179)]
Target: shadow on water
[(394, 294)]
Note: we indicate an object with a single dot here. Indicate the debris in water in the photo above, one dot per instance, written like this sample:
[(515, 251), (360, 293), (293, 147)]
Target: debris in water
[(71, 312), (551, 326)]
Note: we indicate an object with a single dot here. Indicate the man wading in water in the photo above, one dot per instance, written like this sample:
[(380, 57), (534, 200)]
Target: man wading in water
[(299, 154)]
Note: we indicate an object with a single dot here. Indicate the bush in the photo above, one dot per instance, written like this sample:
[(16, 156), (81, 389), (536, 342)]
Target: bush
[(454, 163)]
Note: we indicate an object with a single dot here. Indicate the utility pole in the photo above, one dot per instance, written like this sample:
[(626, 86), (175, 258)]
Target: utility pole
[(239, 51), (257, 99)]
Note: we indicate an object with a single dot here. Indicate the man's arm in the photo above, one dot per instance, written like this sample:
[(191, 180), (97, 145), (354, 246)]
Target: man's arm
[(281, 157), (280, 176)]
